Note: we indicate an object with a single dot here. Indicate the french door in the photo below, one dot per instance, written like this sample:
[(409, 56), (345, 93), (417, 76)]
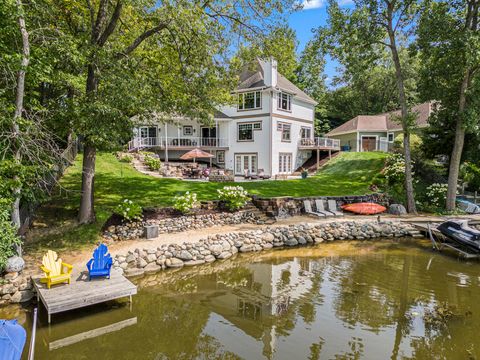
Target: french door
[(246, 163), (285, 163), (148, 135)]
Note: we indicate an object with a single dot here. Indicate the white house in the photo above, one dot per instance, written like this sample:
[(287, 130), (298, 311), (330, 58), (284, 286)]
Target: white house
[(270, 129)]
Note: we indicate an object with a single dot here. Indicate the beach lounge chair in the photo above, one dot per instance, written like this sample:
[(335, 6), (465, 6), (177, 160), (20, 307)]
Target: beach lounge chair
[(101, 262), (56, 271), (321, 208), (308, 209), (332, 207)]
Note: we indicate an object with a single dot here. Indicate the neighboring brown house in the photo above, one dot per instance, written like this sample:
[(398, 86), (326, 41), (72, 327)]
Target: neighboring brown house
[(376, 132)]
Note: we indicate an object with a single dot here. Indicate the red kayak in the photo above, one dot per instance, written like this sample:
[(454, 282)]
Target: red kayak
[(364, 208)]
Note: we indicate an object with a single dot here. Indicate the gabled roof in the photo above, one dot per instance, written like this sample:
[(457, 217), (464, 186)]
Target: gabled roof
[(254, 77), (220, 115), (383, 122)]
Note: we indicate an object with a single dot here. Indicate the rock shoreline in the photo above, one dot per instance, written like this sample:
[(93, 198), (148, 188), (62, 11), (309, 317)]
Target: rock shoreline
[(135, 230), (223, 246)]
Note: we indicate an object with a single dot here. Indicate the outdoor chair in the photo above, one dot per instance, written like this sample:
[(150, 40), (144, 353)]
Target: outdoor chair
[(262, 175), (308, 209), (321, 208), (332, 207), (101, 262), (56, 271)]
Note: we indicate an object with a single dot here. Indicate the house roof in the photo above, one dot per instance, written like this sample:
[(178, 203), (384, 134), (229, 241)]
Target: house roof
[(220, 115), (253, 77), (383, 122)]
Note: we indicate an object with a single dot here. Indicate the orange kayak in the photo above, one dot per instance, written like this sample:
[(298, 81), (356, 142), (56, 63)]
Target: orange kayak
[(364, 208)]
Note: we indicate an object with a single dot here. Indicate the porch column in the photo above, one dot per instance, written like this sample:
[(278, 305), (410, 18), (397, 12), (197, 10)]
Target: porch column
[(318, 159), (166, 144), (216, 133), (329, 154)]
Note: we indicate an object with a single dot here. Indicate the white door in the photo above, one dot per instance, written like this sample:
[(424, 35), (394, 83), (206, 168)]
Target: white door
[(285, 163), (245, 163)]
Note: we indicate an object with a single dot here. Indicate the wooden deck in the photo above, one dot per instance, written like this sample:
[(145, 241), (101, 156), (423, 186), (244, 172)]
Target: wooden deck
[(81, 292)]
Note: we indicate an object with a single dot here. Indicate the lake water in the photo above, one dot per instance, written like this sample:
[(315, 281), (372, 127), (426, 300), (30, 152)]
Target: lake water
[(345, 300)]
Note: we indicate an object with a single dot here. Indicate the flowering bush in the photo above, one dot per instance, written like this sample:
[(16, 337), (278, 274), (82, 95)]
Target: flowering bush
[(129, 210), (234, 197), (152, 162), (185, 203), (394, 169), (437, 195)]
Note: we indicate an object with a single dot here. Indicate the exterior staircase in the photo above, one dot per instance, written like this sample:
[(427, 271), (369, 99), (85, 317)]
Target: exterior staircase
[(311, 164)]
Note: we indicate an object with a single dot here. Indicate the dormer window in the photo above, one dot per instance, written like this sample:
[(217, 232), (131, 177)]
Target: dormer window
[(250, 100), (285, 101)]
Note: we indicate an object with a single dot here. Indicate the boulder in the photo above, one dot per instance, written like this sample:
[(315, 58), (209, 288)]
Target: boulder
[(174, 263), (134, 272), (224, 255), (184, 255), (397, 209), (152, 268), (14, 264), (209, 258), (268, 237)]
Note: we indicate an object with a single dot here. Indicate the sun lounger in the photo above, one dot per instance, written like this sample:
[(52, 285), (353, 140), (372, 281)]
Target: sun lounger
[(321, 208), (332, 207), (308, 209)]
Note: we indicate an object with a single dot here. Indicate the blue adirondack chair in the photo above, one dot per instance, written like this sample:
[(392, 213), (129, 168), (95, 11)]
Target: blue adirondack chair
[(101, 262)]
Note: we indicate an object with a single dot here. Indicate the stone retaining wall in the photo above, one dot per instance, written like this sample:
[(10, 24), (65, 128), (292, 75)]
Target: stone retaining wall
[(178, 224), (223, 246), (15, 287), (280, 207)]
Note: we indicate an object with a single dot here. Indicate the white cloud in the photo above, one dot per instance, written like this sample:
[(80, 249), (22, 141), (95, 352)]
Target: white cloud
[(312, 4), (315, 4)]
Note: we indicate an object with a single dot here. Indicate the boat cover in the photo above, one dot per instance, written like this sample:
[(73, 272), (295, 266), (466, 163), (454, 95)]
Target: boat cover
[(468, 207), (459, 232), (12, 340)]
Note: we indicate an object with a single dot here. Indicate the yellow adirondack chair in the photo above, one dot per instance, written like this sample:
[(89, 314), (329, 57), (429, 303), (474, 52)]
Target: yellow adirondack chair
[(56, 271)]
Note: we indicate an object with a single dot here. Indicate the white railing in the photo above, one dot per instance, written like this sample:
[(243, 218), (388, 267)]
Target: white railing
[(176, 142), (319, 142)]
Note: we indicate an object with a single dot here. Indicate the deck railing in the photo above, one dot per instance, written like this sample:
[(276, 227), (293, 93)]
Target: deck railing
[(176, 142), (320, 143)]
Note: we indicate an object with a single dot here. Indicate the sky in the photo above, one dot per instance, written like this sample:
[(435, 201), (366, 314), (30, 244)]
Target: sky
[(313, 15)]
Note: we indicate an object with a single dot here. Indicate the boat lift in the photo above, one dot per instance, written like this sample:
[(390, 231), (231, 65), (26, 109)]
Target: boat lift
[(440, 241)]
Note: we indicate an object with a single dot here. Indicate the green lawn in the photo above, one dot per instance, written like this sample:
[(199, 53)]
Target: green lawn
[(347, 174)]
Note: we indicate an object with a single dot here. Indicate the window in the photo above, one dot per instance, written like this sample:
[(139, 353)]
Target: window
[(390, 137), (221, 157), (285, 129), (250, 100), (188, 130), (305, 132), (285, 101), (285, 163), (245, 132)]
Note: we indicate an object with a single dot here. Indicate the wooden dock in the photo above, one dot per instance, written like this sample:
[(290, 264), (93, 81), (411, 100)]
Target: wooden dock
[(81, 292)]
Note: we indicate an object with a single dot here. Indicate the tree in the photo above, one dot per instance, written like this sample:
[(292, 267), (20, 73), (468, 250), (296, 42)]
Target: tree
[(355, 36), (141, 55), (279, 43), (449, 44)]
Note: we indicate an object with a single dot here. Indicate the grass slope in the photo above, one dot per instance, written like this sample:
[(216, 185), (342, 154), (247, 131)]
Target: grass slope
[(347, 174)]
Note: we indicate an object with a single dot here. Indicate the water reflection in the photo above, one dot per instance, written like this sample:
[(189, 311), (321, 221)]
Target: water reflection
[(282, 305)]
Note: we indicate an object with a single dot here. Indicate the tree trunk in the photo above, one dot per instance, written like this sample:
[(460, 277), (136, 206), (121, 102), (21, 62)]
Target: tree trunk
[(19, 96), (411, 208), (86, 214), (456, 155)]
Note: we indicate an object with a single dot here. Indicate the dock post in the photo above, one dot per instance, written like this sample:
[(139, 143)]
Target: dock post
[(318, 159), (49, 317)]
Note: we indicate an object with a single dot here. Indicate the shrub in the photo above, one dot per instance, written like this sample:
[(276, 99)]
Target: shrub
[(153, 163), (470, 173), (8, 234), (127, 158), (394, 170), (185, 203), (129, 210), (437, 195), (234, 197)]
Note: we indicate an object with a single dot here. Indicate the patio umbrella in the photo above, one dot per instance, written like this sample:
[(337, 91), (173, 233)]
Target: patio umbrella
[(196, 154)]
